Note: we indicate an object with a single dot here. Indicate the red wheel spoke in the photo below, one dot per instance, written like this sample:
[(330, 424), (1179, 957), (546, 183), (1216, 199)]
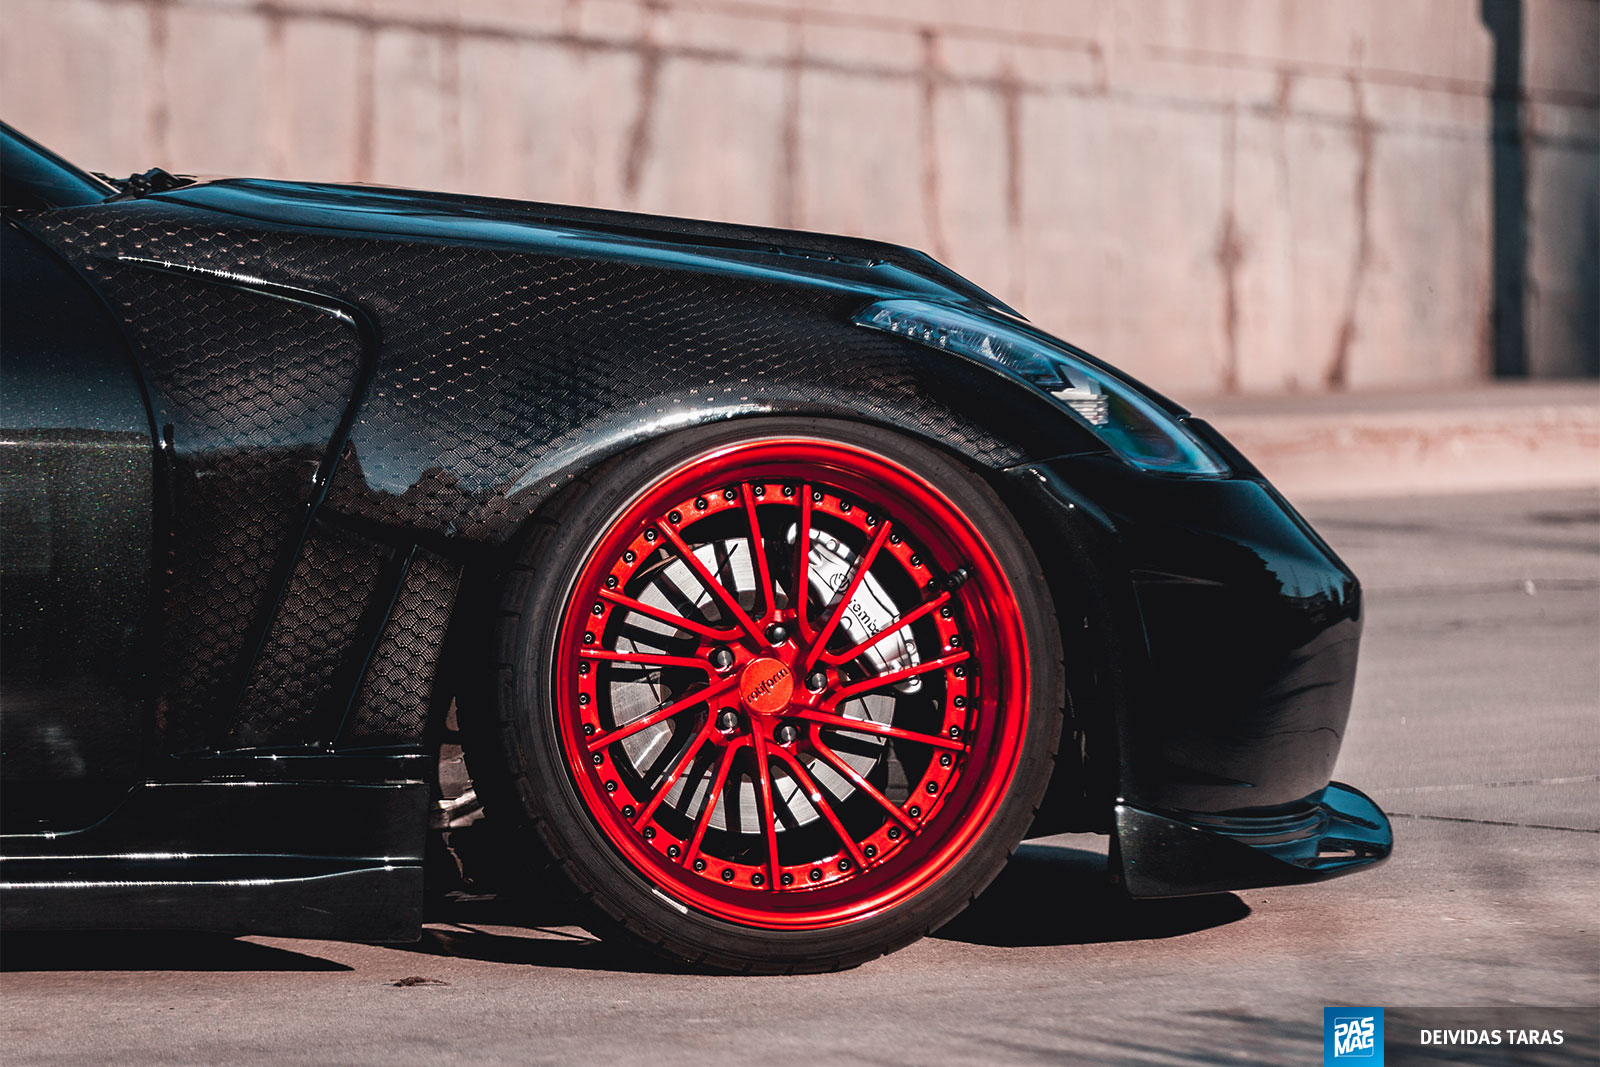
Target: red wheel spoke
[(802, 564), (645, 659), (878, 729), (703, 821), (679, 765), (878, 681), (661, 714), (713, 586), (838, 763), (899, 624), (764, 801), (769, 602), (819, 800), (671, 618), (863, 565)]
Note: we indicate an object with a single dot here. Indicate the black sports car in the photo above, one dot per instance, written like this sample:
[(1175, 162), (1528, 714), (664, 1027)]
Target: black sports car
[(779, 584)]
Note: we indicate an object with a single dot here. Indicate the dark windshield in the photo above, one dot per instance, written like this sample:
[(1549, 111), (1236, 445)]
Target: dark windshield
[(34, 177)]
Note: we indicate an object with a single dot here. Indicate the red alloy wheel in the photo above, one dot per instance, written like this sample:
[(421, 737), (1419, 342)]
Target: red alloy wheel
[(788, 761)]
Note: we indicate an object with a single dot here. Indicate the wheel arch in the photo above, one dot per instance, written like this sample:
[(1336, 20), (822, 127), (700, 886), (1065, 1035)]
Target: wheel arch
[(1072, 550)]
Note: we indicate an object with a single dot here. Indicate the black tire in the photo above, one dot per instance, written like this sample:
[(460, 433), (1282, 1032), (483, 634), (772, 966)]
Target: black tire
[(527, 774)]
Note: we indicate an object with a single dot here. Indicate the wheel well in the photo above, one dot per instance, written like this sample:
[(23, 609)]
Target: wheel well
[(1083, 790), (1084, 785)]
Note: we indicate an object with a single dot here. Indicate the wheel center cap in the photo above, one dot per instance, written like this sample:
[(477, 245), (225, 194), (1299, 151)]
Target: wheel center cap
[(765, 685)]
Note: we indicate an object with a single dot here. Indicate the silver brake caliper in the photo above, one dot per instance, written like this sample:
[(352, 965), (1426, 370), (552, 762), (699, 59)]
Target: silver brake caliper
[(869, 611)]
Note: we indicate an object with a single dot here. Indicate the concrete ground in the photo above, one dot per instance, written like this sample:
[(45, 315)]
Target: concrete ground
[(1475, 725)]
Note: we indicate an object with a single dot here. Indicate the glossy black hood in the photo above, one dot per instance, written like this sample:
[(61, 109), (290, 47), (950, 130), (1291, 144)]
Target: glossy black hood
[(846, 262)]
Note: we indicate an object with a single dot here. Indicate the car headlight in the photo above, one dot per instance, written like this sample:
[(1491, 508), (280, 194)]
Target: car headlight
[(1133, 426)]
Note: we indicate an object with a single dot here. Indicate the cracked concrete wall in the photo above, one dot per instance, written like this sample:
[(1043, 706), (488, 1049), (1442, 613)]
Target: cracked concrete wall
[(1222, 195)]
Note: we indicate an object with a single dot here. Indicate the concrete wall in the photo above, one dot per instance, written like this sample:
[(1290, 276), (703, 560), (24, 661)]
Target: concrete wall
[(1222, 195)]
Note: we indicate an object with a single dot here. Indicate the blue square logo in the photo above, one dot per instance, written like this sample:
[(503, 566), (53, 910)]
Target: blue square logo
[(1352, 1036)]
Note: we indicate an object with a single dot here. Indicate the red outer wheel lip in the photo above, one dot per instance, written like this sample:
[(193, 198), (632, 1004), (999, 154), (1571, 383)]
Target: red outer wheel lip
[(999, 652)]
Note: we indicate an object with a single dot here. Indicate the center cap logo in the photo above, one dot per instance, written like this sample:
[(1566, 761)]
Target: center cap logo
[(766, 685)]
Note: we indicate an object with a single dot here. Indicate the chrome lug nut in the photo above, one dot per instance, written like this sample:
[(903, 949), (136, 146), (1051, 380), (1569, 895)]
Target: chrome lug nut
[(816, 681), (728, 720), (721, 658), (777, 633), (786, 734)]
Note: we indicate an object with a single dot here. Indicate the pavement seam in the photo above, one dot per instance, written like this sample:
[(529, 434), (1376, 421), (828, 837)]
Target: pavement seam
[(1493, 822), (1530, 586), (1486, 785)]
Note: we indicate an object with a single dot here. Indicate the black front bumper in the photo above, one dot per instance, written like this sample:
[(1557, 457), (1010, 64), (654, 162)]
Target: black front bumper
[(1212, 715)]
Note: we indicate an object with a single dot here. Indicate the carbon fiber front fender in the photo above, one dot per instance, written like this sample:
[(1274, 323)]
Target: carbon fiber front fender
[(349, 415)]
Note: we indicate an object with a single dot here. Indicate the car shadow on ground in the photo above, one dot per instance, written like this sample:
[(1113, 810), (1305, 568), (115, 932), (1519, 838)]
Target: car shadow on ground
[(514, 942), (154, 951), (1047, 895), (1053, 895)]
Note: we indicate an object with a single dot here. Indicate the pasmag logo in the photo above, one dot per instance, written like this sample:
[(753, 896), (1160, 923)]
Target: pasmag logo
[(1353, 1036)]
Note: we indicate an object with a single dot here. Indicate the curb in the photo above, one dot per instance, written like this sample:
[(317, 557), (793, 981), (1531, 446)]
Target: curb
[(1492, 438)]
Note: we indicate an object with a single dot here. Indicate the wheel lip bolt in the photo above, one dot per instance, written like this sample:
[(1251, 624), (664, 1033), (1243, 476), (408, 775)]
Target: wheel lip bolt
[(673, 852), (727, 874), (699, 865), (816, 681), (816, 874), (894, 833), (758, 880), (844, 865), (777, 633), (871, 851), (721, 658)]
